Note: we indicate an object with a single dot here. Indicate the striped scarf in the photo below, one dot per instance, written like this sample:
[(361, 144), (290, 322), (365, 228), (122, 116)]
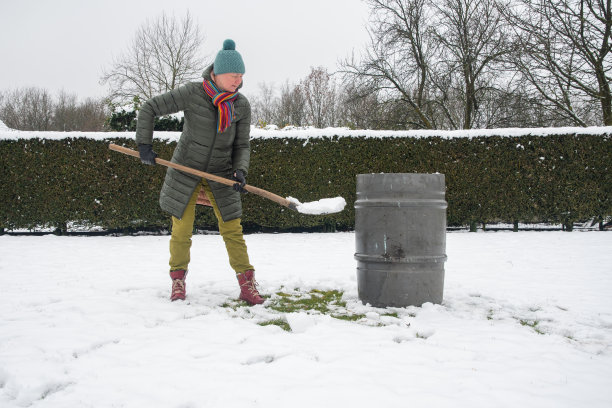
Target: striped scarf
[(224, 101)]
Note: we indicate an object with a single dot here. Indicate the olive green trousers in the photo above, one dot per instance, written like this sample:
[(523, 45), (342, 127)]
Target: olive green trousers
[(231, 231)]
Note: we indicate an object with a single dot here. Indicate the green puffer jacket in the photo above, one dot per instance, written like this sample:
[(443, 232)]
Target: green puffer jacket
[(200, 146)]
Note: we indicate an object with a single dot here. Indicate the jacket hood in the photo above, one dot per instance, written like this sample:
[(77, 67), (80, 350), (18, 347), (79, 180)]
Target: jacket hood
[(207, 71)]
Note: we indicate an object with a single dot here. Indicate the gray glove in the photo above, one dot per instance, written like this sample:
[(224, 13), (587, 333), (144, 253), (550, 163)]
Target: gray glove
[(147, 155), (239, 177)]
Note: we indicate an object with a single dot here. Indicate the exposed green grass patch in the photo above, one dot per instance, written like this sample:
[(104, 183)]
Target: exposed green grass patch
[(318, 300), (234, 304), (315, 301), (328, 302), (533, 324), (348, 317), (229, 305), (282, 323)]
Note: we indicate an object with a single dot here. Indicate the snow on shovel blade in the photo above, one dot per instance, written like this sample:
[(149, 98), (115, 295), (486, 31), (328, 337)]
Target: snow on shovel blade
[(321, 207)]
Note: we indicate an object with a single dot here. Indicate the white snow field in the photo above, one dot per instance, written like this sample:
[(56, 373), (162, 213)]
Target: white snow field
[(86, 322)]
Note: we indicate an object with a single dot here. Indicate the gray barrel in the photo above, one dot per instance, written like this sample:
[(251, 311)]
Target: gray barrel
[(400, 238)]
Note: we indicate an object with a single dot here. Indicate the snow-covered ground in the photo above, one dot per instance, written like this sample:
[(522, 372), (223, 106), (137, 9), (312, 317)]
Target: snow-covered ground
[(86, 322)]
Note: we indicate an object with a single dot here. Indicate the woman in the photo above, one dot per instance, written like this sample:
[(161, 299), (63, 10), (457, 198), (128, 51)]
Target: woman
[(215, 139)]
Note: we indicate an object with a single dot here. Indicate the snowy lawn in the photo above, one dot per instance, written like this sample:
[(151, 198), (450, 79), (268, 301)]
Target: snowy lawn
[(86, 322)]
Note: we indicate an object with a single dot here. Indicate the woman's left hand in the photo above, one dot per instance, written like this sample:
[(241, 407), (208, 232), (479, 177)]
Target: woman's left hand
[(239, 177)]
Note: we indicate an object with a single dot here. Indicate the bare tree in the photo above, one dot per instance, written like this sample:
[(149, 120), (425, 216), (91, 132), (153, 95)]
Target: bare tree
[(35, 109), (27, 109), (360, 107), (264, 105), (164, 54), (400, 56), (473, 40), (71, 115), (564, 54), (320, 98), (91, 115), (291, 106), (65, 112), (313, 101), (437, 58)]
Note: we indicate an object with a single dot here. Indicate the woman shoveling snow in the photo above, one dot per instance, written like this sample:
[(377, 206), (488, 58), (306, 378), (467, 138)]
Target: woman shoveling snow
[(222, 118)]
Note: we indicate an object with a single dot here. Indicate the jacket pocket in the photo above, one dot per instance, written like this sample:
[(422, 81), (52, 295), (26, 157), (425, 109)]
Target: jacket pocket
[(195, 155)]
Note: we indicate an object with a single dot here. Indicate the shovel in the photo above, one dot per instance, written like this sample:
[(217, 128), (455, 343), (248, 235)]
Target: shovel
[(324, 206)]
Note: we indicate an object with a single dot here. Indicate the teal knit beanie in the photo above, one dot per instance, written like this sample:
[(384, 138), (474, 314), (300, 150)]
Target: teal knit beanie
[(228, 59)]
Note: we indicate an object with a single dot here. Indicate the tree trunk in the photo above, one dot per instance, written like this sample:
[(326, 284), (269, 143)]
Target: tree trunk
[(605, 98), (470, 103)]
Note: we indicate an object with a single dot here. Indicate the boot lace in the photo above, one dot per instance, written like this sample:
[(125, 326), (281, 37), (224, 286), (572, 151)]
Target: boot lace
[(178, 286), (251, 286)]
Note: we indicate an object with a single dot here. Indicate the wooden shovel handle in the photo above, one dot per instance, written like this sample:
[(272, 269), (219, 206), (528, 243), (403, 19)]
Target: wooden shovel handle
[(251, 189)]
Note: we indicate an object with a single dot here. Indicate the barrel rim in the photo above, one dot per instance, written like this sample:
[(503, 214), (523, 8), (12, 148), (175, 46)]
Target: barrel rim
[(385, 258)]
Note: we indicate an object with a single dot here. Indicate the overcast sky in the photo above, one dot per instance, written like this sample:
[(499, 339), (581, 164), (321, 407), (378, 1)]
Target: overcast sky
[(65, 44)]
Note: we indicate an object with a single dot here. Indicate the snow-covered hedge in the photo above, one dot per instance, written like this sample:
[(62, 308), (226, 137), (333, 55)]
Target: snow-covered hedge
[(306, 133), (501, 175)]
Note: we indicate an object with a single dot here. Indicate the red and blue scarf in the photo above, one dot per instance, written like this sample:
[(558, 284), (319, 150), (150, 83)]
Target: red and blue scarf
[(224, 101)]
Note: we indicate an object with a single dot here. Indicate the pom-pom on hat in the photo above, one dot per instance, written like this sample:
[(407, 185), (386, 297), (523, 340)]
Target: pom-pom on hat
[(228, 59)]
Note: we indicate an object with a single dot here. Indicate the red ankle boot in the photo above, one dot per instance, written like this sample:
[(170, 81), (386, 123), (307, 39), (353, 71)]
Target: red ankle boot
[(248, 289), (178, 284)]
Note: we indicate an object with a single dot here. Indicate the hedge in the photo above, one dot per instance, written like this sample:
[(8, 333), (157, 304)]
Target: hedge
[(531, 179)]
